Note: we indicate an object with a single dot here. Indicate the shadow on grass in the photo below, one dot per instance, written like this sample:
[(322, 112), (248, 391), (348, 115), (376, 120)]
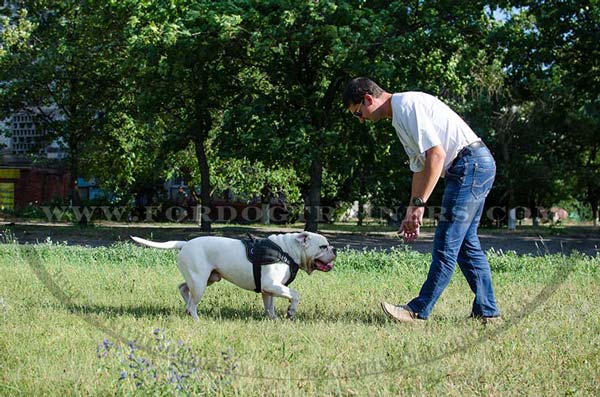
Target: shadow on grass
[(227, 314), (153, 311), (348, 317), (119, 311), (351, 317)]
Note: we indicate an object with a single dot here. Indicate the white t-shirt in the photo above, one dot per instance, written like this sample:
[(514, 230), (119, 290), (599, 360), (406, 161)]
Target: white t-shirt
[(422, 121)]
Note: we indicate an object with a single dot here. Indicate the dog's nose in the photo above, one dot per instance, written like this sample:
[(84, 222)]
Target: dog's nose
[(334, 251)]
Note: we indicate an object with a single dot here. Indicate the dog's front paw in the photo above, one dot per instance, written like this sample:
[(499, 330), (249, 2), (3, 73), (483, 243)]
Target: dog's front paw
[(290, 315)]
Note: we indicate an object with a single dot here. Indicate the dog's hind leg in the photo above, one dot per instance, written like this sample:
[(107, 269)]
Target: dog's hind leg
[(196, 271), (197, 286), (184, 291)]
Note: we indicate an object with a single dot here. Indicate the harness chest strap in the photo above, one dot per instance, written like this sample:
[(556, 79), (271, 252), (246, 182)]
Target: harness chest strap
[(262, 251)]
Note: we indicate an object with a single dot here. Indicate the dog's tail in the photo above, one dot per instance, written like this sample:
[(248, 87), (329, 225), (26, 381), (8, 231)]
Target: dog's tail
[(177, 245)]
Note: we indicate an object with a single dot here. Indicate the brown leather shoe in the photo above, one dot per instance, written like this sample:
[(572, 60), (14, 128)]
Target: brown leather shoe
[(400, 313), (492, 320)]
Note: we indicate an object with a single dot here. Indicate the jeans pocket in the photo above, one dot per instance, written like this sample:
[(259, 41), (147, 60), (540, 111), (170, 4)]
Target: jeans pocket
[(457, 172), (483, 179)]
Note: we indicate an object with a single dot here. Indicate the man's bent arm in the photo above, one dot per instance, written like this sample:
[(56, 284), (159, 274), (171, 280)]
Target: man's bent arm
[(423, 182)]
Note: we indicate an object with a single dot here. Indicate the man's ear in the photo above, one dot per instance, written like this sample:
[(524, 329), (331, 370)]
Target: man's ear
[(302, 239)]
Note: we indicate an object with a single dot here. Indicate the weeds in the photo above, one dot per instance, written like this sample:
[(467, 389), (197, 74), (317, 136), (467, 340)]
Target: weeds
[(161, 367)]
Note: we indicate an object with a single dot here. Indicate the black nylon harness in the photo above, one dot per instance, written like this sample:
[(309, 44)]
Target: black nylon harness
[(262, 251)]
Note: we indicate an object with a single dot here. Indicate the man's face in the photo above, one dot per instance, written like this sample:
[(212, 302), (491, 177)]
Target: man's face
[(364, 110)]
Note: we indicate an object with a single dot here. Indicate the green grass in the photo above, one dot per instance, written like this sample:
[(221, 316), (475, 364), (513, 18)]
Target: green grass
[(339, 344)]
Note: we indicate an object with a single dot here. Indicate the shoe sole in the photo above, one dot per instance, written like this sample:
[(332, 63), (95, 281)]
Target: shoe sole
[(400, 320)]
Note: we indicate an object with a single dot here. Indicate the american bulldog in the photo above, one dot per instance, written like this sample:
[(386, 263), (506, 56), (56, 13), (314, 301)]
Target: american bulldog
[(275, 261)]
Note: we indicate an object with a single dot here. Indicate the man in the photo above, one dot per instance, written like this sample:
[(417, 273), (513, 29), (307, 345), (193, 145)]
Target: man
[(439, 144)]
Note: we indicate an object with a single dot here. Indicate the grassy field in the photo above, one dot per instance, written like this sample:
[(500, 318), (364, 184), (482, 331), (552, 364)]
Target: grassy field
[(108, 321)]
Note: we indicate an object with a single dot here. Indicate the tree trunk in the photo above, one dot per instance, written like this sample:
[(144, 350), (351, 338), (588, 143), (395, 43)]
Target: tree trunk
[(314, 197), (76, 202), (503, 126), (265, 200), (593, 194), (535, 216), (205, 202), (361, 200)]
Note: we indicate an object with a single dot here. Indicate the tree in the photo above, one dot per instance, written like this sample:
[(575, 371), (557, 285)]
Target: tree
[(58, 62), (298, 53), (552, 63), (187, 53)]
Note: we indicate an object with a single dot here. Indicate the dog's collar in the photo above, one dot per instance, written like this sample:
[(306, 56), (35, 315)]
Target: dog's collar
[(262, 251)]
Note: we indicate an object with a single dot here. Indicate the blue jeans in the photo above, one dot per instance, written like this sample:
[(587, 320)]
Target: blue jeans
[(468, 182)]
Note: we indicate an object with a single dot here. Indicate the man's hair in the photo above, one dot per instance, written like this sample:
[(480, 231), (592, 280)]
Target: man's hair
[(356, 89)]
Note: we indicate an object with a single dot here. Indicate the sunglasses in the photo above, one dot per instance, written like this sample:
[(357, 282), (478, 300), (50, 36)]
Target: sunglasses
[(358, 113)]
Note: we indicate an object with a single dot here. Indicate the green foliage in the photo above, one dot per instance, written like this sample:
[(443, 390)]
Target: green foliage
[(244, 179), (123, 154), (16, 38), (299, 52), (550, 54), (141, 90)]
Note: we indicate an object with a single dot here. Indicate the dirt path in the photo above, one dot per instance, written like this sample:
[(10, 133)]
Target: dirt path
[(522, 245), (584, 240)]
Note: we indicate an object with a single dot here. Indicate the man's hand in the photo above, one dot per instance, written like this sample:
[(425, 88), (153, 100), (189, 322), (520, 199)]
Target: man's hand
[(412, 222)]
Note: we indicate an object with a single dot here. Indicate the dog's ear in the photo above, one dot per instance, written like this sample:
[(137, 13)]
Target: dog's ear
[(303, 239)]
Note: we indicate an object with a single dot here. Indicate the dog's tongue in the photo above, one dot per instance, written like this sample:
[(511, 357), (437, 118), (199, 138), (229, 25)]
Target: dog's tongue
[(322, 266)]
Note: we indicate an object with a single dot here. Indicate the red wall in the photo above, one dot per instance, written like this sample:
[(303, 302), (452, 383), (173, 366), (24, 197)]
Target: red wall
[(39, 185)]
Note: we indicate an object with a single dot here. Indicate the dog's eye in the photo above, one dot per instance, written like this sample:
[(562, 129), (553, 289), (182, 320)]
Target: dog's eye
[(323, 247)]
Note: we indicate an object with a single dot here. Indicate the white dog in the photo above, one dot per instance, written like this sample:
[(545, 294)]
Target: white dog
[(275, 261)]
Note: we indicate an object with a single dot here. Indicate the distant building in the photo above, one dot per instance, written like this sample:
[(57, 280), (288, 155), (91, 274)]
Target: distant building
[(31, 170), (23, 178), (21, 137)]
